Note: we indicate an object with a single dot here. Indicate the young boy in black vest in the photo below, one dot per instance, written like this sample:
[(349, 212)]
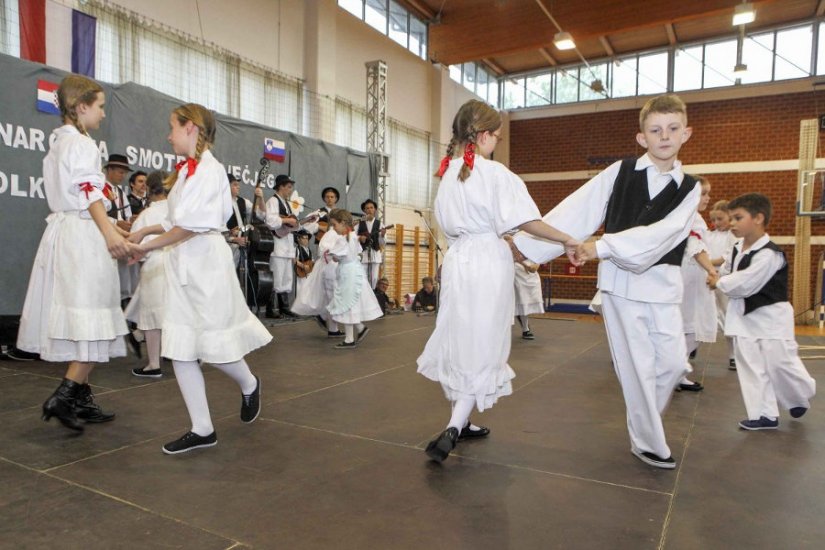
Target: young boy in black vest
[(760, 319), (647, 207)]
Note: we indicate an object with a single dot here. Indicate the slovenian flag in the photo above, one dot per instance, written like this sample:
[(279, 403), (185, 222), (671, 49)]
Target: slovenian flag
[(58, 36), (47, 97), (274, 149)]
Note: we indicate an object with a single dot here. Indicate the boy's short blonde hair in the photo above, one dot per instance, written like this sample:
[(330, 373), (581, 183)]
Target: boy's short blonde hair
[(667, 103)]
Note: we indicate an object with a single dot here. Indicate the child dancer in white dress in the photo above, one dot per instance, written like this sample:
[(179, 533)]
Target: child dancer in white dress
[(720, 243), (478, 201), (148, 303), (206, 316), (72, 308), (698, 304), (529, 299), (353, 301)]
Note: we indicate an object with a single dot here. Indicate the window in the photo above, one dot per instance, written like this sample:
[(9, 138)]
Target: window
[(653, 73), (687, 72), (567, 86), (624, 77), (513, 93), (720, 58), (757, 54), (398, 24), (9, 29), (375, 14), (588, 82), (793, 53), (482, 79), (418, 37), (540, 90), (455, 73), (355, 7), (469, 76), (492, 92)]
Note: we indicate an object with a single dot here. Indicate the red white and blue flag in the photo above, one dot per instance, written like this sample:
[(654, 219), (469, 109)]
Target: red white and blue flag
[(58, 36), (47, 97), (274, 149)]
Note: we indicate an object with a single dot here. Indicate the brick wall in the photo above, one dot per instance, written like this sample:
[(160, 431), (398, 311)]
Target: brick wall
[(737, 130)]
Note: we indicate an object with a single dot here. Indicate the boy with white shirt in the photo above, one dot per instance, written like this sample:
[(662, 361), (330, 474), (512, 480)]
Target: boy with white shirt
[(647, 207), (760, 319)]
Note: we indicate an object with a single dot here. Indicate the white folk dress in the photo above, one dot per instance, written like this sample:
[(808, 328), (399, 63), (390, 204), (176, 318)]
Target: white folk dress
[(469, 348), (720, 245), (353, 300), (206, 315), (699, 302), (529, 299), (149, 301), (72, 308), (313, 296)]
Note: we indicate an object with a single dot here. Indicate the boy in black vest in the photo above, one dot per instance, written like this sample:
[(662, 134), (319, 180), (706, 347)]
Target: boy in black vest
[(647, 207), (760, 319)]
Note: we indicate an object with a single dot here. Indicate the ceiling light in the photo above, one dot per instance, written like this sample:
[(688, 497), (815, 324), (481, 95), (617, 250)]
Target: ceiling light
[(564, 41), (740, 70), (743, 14)]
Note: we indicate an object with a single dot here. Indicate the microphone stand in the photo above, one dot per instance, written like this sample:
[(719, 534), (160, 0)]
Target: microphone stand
[(434, 241)]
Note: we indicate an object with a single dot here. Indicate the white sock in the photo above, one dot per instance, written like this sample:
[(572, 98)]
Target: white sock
[(461, 413), (332, 326), (153, 347), (193, 389), (524, 323), (240, 373), (348, 334), (359, 327)]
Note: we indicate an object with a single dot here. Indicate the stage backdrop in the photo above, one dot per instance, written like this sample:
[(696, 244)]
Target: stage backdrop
[(136, 124)]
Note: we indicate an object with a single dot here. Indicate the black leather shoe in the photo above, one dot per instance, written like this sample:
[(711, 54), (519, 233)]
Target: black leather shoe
[(528, 335), (798, 412), (467, 433), (693, 386), (335, 334), (346, 345), (87, 409), (655, 460), (439, 449), (321, 322), (62, 405), (362, 334), (251, 404)]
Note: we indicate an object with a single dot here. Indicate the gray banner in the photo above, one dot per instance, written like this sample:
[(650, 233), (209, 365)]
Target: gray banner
[(136, 124)]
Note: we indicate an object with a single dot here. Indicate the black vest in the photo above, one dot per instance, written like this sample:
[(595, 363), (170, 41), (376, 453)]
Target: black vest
[(118, 197), (775, 290), (373, 236), (630, 205), (232, 223), (303, 254)]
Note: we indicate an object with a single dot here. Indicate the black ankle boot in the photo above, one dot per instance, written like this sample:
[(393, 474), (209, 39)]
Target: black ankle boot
[(61, 404), (283, 304), (86, 408)]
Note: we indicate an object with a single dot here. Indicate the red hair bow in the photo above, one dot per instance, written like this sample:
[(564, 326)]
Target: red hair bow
[(191, 165), (470, 155), (445, 163)]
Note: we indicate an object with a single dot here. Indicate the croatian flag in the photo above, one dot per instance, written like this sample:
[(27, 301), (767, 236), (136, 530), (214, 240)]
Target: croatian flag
[(274, 149), (47, 97), (58, 36)]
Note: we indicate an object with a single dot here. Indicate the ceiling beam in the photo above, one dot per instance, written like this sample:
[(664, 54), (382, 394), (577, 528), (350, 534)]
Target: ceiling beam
[(421, 9), (820, 8), (493, 65), (671, 33), (608, 48), (546, 55)]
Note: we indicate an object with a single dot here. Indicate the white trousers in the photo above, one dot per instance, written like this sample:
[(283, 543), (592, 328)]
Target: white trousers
[(770, 373), (648, 349), (372, 269), (282, 274)]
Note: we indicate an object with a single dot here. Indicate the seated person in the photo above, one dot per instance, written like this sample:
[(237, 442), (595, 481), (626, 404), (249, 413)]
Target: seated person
[(387, 304), (426, 299)]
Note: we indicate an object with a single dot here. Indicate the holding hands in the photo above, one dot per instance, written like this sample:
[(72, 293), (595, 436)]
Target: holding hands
[(712, 280), (586, 251)]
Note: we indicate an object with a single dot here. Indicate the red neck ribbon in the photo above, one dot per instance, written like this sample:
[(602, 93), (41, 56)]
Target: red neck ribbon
[(190, 164)]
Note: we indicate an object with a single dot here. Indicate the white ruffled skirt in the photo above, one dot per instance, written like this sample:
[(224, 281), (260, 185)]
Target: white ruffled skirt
[(469, 348), (206, 316), (353, 301), (148, 304), (72, 308)]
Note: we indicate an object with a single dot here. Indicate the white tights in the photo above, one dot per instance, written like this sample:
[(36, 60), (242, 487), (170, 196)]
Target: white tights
[(523, 320), (193, 389), (153, 348), (349, 333), (461, 413)]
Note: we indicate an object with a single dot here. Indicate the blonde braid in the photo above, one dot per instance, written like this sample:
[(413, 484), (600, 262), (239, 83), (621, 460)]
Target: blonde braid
[(464, 173), (201, 146)]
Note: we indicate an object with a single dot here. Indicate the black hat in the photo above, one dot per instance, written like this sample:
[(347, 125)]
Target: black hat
[(366, 202), (334, 190), (282, 180), (118, 161), (232, 177), (303, 233)]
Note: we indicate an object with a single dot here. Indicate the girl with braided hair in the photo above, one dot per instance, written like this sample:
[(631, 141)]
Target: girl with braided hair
[(206, 317), (72, 309), (478, 201)]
